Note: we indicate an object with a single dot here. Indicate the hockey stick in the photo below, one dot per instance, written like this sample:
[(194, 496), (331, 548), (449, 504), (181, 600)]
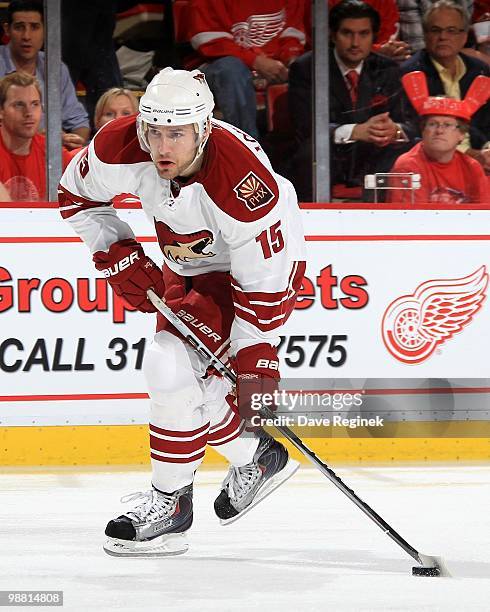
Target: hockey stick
[(429, 565)]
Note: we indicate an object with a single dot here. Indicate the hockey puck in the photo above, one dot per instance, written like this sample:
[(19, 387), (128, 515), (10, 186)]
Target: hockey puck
[(425, 571)]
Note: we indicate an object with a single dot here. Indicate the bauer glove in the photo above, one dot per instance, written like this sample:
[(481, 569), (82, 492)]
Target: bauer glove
[(257, 374), (130, 273)]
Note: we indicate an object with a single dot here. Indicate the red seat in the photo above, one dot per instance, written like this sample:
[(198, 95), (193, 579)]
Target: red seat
[(342, 192)]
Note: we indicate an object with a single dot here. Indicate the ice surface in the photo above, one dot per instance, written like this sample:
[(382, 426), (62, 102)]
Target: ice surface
[(306, 547)]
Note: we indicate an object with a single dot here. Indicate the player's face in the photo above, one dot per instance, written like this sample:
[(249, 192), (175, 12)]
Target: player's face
[(353, 41), (115, 107), (173, 148), (21, 113), (26, 35), (444, 35), (441, 136)]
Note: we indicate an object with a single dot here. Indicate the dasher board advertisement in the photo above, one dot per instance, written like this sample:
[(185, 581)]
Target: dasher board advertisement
[(387, 294)]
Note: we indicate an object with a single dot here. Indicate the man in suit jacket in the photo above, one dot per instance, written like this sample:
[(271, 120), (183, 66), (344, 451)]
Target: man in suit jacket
[(364, 100), (450, 72)]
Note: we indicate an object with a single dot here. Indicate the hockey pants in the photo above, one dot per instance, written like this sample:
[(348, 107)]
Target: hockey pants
[(188, 406)]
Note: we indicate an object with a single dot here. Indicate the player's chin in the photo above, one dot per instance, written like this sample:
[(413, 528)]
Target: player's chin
[(166, 170)]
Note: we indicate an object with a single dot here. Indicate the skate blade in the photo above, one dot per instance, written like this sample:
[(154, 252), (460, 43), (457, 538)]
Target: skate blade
[(164, 546), (269, 486)]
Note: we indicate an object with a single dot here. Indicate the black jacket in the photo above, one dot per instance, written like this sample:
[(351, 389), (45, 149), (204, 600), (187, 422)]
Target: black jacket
[(379, 90), (480, 122)]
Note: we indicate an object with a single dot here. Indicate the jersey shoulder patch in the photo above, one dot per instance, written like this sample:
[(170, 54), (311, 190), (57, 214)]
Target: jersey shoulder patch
[(117, 143), (236, 179)]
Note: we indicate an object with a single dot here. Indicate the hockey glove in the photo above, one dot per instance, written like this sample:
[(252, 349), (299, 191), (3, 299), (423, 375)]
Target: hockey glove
[(257, 370), (130, 273)]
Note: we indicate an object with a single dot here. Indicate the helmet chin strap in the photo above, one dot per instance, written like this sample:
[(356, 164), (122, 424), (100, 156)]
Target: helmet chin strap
[(195, 164), (141, 133)]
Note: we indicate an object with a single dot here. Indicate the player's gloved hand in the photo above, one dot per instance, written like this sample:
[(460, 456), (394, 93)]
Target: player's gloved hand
[(130, 273), (257, 370)]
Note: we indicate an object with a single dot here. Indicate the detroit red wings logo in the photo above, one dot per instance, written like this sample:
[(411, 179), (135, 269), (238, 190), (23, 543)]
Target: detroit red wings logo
[(183, 247), (414, 325), (258, 30), (253, 192)]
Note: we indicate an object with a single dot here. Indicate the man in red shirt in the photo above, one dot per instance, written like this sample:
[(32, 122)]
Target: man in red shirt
[(446, 175), (240, 40), (22, 149)]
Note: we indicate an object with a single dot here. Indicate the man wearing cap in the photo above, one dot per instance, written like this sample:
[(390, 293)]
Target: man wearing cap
[(449, 71), (446, 175)]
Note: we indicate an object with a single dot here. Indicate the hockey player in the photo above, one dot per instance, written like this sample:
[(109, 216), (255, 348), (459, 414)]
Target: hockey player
[(233, 248)]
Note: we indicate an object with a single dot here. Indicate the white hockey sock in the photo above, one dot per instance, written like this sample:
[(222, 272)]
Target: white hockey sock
[(177, 448), (227, 434)]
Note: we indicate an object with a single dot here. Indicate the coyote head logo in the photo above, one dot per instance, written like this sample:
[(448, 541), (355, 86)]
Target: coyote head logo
[(183, 247), (414, 325)]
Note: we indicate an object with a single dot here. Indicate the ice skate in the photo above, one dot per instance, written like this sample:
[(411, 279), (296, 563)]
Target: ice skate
[(155, 527), (244, 487)]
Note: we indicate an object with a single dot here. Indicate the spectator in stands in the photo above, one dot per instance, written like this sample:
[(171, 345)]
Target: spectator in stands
[(241, 39), (446, 174), (450, 72), (23, 53), (88, 48), (22, 148), (411, 11), (387, 40), (365, 110), (114, 103)]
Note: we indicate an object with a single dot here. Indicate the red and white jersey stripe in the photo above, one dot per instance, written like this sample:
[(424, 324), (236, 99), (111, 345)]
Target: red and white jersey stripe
[(264, 310), (178, 446), (229, 428)]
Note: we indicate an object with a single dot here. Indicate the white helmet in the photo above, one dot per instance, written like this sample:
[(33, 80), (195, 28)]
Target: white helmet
[(176, 97)]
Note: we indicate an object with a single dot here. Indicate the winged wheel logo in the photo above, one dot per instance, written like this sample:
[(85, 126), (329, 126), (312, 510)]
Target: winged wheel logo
[(414, 325)]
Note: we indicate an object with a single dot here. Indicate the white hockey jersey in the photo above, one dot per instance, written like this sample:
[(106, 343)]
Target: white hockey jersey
[(235, 215)]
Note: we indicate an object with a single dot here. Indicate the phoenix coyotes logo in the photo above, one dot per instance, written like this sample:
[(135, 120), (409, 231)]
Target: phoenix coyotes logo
[(253, 192), (414, 325), (183, 247)]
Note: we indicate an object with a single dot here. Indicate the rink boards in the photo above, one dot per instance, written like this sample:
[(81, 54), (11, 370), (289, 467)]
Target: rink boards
[(72, 390)]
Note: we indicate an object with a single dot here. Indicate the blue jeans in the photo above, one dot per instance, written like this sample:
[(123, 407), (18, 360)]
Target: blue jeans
[(231, 82)]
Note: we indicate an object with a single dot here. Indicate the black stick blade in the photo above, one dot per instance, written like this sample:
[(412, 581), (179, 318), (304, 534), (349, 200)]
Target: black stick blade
[(430, 566), (418, 570)]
